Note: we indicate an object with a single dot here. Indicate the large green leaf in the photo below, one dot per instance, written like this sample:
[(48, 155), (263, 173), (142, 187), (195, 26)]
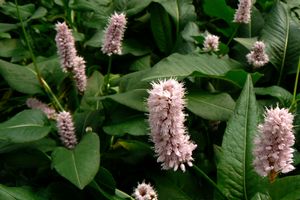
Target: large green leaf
[(20, 78), (219, 9), (211, 106), (134, 126), (182, 11), (177, 65), (26, 126), (275, 91), (236, 176), (161, 28), (282, 37), (134, 99), (287, 188), (81, 164), (16, 193)]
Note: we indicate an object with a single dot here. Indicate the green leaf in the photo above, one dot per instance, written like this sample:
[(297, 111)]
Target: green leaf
[(177, 65), (39, 13), (260, 196), (26, 126), (93, 89), (246, 42), (106, 180), (211, 106), (11, 48), (182, 11), (282, 38), (275, 91), (236, 176), (16, 193), (134, 99), (161, 28), (4, 27), (287, 188), (26, 10), (132, 6), (134, 47), (133, 126), (81, 164), (20, 78), (219, 9)]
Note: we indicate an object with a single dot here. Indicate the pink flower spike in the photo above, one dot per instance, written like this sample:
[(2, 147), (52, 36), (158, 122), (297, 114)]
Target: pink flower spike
[(166, 118), (65, 45), (243, 13), (273, 151), (113, 34), (144, 192), (79, 73), (36, 104), (257, 56), (66, 129)]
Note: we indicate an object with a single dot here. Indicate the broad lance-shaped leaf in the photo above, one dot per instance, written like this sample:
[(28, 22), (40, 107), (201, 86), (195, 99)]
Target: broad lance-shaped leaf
[(282, 37), (20, 78), (81, 164), (26, 126), (236, 176), (17, 193), (178, 65), (211, 106)]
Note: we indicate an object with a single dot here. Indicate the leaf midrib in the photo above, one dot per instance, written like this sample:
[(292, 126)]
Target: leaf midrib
[(245, 143), (23, 125), (213, 105), (76, 170)]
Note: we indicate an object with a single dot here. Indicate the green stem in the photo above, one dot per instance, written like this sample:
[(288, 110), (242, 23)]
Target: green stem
[(294, 101), (233, 34), (38, 73), (106, 80), (209, 180)]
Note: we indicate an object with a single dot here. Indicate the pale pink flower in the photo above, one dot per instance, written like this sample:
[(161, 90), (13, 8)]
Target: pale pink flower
[(79, 73), (144, 192), (166, 119), (257, 56), (272, 147), (211, 43), (243, 13), (113, 34), (36, 104), (66, 46), (66, 129)]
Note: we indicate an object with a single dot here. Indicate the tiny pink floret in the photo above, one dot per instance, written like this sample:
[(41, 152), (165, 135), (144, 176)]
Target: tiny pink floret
[(144, 192), (243, 13), (36, 104)]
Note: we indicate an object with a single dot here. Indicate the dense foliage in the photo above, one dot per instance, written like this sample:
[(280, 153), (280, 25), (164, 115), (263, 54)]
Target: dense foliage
[(225, 97)]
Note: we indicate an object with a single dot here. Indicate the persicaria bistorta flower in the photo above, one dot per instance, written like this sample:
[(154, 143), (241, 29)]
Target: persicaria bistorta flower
[(144, 192), (36, 104), (66, 129), (211, 43), (272, 147), (243, 13), (166, 119), (113, 34), (65, 45), (79, 73), (257, 56)]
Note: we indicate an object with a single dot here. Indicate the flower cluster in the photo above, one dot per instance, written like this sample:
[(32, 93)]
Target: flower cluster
[(257, 56), (166, 119), (66, 129), (211, 43), (243, 13), (144, 192), (113, 34), (272, 148), (36, 104), (69, 59)]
